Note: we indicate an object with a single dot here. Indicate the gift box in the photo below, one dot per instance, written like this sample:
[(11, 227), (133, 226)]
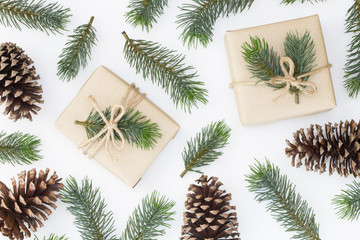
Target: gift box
[(108, 89), (255, 102)]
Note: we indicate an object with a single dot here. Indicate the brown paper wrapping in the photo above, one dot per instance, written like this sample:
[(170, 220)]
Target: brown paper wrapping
[(255, 103), (108, 89)]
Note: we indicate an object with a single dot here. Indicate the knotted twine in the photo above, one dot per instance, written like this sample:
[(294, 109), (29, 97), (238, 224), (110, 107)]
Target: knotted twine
[(111, 125), (308, 88)]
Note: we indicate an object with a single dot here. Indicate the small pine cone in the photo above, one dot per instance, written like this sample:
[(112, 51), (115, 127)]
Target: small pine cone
[(209, 215), (18, 85), (23, 208), (337, 146)]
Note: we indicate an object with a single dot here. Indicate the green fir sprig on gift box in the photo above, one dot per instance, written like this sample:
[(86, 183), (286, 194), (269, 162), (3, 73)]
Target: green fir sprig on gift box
[(19, 148), (92, 219), (40, 15), (347, 203), (149, 219), (77, 51), (197, 19), (352, 73), (204, 148), (53, 237), (136, 128), (166, 68), (145, 13), (264, 63), (284, 203)]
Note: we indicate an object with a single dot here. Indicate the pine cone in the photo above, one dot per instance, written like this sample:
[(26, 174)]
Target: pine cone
[(209, 215), (23, 208), (18, 85), (338, 146)]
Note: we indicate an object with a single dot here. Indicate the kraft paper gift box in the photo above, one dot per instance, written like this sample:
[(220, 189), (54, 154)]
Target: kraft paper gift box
[(108, 89), (255, 102)]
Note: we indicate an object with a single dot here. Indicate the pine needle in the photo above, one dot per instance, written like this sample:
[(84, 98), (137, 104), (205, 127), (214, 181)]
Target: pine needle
[(149, 220), (166, 68), (78, 51), (89, 209), (46, 17), (348, 202), (204, 148), (19, 148), (285, 205), (198, 18), (145, 13), (53, 237), (352, 66), (136, 128), (287, 2)]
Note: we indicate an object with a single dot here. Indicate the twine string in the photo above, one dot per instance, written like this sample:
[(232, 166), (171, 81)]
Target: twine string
[(306, 87), (111, 126)]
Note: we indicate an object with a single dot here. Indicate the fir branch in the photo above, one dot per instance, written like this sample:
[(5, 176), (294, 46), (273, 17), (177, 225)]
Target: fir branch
[(87, 206), (144, 13), (19, 148), (348, 202), (149, 219), (352, 73), (285, 205), (198, 19), (135, 127), (263, 62), (301, 49), (53, 237), (287, 2), (78, 51), (166, 68), (204, 148), (46, 17)]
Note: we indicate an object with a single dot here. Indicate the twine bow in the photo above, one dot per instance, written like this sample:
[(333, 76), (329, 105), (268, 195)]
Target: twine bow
[(111, 125), (306, 87)]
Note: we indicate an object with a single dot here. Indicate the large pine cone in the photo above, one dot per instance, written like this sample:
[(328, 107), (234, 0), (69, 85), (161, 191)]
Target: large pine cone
[(18, 85), (337, 146), (23, 208), (210, 215)]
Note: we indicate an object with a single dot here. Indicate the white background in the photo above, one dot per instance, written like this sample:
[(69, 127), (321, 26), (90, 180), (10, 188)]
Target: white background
[(246, 143)]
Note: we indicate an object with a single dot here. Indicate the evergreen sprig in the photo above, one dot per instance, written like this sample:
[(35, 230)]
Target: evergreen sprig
[(166, 68), (136, 128), (89, 209), (348, 202), (77, 51), (301, 49), (53, 237), (264, 63), (352, 66), (198, 18), (46, 17), (287, 2), (285, 205), (204, 148), (19, 148), (149, 220), (145, 13)]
